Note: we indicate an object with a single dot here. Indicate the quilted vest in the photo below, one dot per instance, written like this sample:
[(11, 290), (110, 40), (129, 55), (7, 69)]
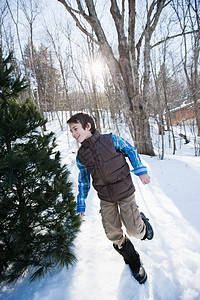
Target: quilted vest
[(110, 172)]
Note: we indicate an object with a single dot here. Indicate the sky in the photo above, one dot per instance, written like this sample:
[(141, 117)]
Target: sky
[(52, 15)]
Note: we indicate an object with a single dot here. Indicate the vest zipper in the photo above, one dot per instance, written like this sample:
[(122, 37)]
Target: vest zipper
[(107, 184)]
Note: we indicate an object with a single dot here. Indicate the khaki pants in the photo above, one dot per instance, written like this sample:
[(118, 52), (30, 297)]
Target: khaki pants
[(126, 212)]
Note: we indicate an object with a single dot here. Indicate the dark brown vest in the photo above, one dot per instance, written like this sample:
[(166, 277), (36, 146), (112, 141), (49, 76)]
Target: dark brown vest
[(108, 167)]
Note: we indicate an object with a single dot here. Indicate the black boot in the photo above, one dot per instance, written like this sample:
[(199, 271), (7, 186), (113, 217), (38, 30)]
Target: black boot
[(149, 230), (132, 258)]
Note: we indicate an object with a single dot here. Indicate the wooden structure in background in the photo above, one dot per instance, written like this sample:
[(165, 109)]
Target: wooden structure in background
[(182, 113)]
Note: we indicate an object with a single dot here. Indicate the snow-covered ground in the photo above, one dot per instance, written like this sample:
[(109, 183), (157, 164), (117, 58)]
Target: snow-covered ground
[(171, 259)]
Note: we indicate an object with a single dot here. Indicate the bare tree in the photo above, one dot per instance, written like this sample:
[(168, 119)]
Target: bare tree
[(64, 74), (3, 12), (92, 86), (16, 24), (188, 15), (158, 110), (31, 11), (125, 69)]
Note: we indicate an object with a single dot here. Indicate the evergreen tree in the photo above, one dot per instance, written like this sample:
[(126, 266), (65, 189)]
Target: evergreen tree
[(38, 222)]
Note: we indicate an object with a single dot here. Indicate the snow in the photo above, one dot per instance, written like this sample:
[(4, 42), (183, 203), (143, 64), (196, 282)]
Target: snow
[(171, 259)]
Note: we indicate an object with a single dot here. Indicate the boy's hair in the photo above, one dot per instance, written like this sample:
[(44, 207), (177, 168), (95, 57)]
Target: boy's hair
[(83, 119)]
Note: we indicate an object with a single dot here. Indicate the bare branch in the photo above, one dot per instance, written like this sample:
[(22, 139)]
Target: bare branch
[(151, 23), (118, 19), (172, 37), (71, 12)]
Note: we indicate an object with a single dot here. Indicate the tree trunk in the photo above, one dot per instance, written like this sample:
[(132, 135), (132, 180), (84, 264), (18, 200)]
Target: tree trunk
[(125, 70)]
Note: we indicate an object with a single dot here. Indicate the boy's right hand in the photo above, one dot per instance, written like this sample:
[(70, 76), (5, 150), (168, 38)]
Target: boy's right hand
[(82, 214)]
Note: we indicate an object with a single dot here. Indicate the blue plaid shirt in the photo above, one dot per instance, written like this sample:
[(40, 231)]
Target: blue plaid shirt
[(84, 176)]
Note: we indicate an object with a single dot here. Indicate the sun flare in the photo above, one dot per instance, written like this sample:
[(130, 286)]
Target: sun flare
[(96, 68)]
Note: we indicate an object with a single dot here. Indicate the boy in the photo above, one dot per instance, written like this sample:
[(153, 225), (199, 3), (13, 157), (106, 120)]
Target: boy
[(103, 157)]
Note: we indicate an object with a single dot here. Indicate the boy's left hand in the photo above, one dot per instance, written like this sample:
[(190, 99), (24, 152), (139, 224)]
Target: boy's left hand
[(145, 178)]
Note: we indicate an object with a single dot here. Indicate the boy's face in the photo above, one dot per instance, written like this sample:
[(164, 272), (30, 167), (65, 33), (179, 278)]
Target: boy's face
[(79, 133)]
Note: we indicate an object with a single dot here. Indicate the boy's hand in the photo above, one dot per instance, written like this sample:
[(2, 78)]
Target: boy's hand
[(82, 214), (145, 178)]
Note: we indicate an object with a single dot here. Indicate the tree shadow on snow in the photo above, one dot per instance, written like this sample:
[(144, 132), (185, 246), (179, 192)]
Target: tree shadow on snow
[(180, 183), (52, 286)]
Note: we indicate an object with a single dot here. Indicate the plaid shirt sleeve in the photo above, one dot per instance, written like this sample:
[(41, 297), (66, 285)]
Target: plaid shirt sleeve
[(131, 152), (83, 186)]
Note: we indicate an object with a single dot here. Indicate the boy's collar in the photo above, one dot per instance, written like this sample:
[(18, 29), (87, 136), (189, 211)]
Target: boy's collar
[(92, 139)]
